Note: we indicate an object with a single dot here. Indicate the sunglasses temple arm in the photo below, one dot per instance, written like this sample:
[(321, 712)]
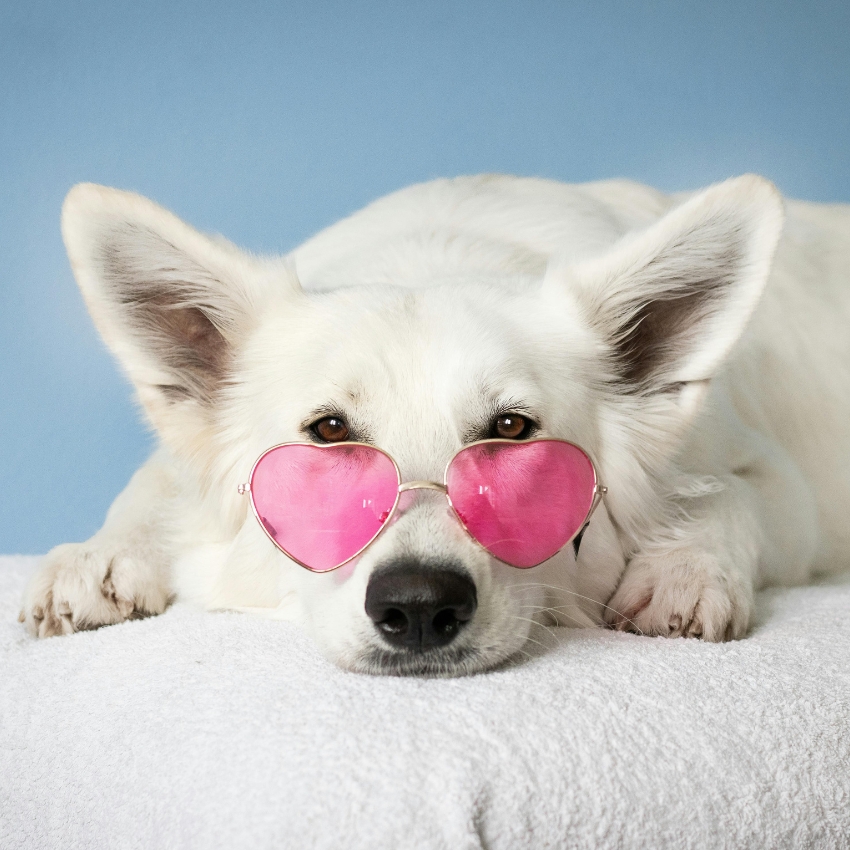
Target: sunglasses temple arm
[(598, 493)]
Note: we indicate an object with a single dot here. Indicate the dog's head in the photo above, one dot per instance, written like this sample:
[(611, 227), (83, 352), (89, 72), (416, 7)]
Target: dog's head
[(230, 356)]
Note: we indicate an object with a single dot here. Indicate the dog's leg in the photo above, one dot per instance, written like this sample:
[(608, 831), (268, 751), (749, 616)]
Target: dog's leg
[(121, 572), (761, 529)]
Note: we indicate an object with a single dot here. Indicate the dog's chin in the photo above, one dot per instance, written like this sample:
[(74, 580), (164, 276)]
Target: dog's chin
[(445, 663)]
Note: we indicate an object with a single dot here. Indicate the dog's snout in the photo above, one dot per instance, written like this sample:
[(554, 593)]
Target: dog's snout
[(418, 607)]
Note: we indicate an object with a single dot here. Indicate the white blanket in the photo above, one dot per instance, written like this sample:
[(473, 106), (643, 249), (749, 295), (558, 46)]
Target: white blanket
[(224, 731)]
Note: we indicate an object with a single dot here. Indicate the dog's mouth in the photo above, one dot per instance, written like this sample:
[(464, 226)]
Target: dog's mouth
[(433, 664), (442, 663)]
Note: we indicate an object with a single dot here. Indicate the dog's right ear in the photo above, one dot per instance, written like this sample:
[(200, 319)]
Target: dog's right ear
[(171, 303)]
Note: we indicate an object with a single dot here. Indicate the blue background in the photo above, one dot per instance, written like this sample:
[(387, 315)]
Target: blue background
[(268, 121)]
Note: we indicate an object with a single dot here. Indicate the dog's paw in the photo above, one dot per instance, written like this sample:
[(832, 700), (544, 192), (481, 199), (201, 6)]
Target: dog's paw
[(83, 586), (681, 593)]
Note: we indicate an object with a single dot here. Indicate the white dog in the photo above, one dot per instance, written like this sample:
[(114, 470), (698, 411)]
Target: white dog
[(630, 323)]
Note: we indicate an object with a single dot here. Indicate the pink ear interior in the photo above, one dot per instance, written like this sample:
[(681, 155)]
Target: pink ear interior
[(323, 504), (523, 502)]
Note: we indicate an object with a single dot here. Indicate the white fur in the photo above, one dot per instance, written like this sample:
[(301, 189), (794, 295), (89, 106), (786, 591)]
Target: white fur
[(728, 468)]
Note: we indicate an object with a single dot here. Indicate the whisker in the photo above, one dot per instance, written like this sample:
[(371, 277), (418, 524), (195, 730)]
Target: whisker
[(542, 610), (519, 649), (536, 623), (537, 642), (581, 596)]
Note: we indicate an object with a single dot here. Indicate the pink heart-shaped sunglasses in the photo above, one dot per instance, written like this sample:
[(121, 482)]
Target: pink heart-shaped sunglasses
[(522, 501)]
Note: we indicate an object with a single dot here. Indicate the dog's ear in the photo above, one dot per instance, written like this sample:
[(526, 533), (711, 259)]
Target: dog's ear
[(669, 302), (171, 303)]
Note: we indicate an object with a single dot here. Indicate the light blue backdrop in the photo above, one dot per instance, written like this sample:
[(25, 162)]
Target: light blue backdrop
[(266, 121)]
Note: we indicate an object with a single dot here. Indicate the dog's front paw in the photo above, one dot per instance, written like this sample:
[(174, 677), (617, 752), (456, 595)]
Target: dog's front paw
[(83, 586), (684, 592)]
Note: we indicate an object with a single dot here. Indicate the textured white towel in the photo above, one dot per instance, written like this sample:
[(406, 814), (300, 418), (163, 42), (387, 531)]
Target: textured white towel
[(224, 731)]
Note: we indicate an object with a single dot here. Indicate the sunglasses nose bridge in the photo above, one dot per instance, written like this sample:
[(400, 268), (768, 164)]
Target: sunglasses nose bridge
[(422, 485), (407, 494)]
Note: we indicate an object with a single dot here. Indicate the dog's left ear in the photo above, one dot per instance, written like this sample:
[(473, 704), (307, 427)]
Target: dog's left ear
[(669, 302)]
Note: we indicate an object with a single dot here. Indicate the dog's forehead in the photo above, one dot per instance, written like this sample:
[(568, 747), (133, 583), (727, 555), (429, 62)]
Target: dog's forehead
[(417, 372), (439, 349)]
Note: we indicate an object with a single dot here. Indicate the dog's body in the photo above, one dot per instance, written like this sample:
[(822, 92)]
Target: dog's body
[(607, 314)]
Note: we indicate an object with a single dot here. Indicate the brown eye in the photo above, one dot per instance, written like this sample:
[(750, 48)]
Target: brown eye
[(331, 429), (511, 426)]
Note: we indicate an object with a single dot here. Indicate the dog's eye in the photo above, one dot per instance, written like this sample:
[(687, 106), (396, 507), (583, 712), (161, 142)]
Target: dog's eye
[(511, 426), (331, 429)]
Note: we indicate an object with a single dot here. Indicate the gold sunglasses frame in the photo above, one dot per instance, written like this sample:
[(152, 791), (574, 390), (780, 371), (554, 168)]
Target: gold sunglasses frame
[(403, 487)]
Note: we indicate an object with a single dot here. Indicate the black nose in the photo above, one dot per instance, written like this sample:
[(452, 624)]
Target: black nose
[(419, 607)]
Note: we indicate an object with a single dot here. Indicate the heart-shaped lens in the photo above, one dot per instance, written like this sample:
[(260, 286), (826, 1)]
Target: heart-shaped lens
[(323, 504), (523, 502)]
